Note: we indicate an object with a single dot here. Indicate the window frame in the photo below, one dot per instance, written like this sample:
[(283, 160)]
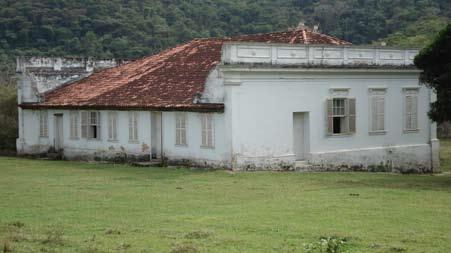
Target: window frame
[(375, 94), (207, 119), (74, 117), (347, 116), (133, 125), (87, 124), (43, 124), (181, 138), (410, 92), (112, 126)]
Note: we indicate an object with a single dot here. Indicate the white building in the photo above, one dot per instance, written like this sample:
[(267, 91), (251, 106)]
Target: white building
[(295, 99)]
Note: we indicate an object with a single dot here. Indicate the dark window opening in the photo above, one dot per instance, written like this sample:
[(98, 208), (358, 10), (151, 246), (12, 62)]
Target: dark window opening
[(337, 125), (93, 132)]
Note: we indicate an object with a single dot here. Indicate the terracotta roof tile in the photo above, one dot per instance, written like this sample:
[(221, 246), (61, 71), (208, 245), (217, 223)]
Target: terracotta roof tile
[(165, 81)]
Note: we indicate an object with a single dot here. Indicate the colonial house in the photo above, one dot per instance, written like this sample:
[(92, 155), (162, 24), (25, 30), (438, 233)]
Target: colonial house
[(285, 100)]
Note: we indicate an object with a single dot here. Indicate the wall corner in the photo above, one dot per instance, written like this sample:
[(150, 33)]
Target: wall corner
[(435, 155)]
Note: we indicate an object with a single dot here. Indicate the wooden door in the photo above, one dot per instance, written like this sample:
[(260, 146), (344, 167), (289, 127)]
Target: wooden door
[(59, 136)]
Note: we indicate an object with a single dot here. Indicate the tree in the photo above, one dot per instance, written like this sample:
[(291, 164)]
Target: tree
[(435, 61)]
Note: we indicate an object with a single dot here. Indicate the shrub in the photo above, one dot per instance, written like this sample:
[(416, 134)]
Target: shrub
[(8, 118), (331, 244), (6, 247), (55, 235), (184, 247)]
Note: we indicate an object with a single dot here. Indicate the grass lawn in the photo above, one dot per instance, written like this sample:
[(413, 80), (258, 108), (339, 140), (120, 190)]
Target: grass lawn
[(55, 206)]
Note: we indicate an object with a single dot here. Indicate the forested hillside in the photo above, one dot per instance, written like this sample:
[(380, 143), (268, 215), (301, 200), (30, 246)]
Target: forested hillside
[(133, 28)]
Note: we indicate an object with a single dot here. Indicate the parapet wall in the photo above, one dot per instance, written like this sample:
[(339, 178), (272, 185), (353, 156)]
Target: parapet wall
[(324, 55), (41, 74)]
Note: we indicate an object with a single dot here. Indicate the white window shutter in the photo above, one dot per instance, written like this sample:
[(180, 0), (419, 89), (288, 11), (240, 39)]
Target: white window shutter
[(130, 126), (110, 126), (84, 124), (99, 126), (351, 110), (135, 126), (329, 116), (210, 130), (380, 116), (414, 112), (43, 123), (204, 130), (408, 113), (115, 127)]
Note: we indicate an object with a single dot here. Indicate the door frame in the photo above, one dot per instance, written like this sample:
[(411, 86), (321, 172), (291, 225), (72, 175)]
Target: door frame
[(58, 138), (305, 119), (156, 135)]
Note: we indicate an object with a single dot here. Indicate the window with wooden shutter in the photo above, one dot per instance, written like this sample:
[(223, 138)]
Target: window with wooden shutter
[(411, 110), (43, 124), (133, 126), (90, 125), (341, 116), (180, 128), (74, 121), (94, 126), (377, 111), (112, 126), (207, 130)]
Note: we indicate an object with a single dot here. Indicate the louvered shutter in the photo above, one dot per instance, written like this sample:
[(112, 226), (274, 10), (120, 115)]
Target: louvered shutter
[(408, 113), (351, 115), (415, 112), (110, 126), (210, 130), (204, 130), (84, 124), (135, 126), (183, 126), (330, 116), (130, 126), (380, 116), (114, 128), (177, 129), (99, 126)]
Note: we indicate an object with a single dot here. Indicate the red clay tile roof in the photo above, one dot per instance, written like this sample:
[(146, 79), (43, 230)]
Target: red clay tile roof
[(165, 81)]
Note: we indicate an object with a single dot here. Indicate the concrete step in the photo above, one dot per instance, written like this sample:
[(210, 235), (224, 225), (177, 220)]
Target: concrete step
[(151, 163), (302, 166)]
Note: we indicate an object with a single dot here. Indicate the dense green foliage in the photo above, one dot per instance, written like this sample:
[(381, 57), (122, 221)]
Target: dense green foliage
[(133, 28), (8, 118), (435, 61), (73, 207)]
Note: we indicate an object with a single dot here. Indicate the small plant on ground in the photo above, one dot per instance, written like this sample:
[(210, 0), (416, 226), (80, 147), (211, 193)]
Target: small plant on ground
[(17, 224), (6, 246), (198, 234), (330, 244), (112, 231), (184, 247), (55, 235)]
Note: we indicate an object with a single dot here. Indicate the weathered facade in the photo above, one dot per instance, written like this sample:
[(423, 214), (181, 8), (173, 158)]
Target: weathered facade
[(281, 101)]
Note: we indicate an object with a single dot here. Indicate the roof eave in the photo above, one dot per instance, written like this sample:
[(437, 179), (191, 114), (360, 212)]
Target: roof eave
[(210, 107)]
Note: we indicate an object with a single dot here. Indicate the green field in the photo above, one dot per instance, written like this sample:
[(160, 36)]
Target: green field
[(56, 206)]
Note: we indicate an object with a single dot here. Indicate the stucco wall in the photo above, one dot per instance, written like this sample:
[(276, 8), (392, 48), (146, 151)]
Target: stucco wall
[(219, 156), (123, 148), (262, 120)]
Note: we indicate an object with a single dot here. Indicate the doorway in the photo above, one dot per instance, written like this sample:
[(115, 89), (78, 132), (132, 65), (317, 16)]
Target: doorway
[(155, 135), (301, 135), (59, 136)]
